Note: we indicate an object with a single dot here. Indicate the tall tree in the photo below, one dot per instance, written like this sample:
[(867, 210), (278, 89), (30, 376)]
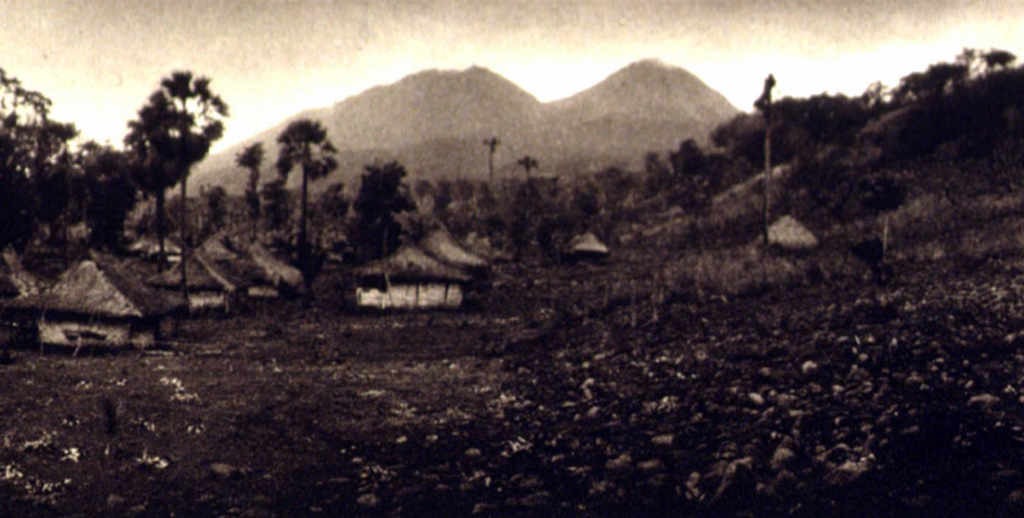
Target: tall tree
[(492, 145), (528, 163), (304, 143), (179, 123), (251, 158)]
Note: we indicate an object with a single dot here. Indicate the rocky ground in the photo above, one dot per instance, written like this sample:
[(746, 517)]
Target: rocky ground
[(582, 390)]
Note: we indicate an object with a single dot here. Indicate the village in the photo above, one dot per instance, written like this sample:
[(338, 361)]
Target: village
[(322, 262)]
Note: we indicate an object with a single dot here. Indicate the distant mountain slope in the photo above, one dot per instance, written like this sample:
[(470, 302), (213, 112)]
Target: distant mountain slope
[(434, 122)]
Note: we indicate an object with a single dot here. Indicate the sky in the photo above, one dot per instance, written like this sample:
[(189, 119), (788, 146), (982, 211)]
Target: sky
[(99, 60)]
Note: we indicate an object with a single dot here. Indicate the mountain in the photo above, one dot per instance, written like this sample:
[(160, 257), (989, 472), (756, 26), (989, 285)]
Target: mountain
[(434, 123)]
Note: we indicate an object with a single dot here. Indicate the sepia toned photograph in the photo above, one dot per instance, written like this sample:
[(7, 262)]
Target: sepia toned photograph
[(511, 258)]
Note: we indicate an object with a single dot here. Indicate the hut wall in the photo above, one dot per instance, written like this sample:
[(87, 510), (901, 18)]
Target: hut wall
[(411, 296), (95, 332), (263, 292), (205, 300)]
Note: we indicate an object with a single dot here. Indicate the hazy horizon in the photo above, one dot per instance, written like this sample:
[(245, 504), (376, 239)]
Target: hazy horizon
[(270, 59)]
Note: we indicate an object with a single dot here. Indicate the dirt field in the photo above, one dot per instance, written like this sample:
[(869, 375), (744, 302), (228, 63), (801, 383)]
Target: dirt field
[(562, 390)]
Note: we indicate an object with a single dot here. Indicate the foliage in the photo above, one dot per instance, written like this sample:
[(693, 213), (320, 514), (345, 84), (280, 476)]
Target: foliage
[(383, 195), (276, 204), (304, 143), (216, 201), (251, 158), (111, 194)]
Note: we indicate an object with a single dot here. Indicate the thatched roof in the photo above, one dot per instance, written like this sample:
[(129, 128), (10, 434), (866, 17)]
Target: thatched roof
[(442, 246), (274, 270), (201, 274), (99, 286), (481, 246), (217, 248), (14, 280), (789, 233), (587, 244), (409, 263)]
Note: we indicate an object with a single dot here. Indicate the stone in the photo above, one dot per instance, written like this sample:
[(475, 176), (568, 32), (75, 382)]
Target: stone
[(473, 452), (114, 500), (737, 481), (223, 470), (809, 367), (368, 500), (624, 461), (781, 458), (983, 401), (651, 465), (663, 440), (756, 399)]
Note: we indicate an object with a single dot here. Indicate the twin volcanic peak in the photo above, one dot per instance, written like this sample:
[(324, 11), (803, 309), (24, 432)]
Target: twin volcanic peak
[(434, 122)]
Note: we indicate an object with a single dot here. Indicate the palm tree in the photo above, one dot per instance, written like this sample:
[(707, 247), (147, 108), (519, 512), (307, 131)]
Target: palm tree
[(251, 158), (528, 162), (174, 131), (304, 142), (491, 143)]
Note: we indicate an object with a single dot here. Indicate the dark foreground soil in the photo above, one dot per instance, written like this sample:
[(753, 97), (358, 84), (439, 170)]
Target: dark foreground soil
[(563, 390)]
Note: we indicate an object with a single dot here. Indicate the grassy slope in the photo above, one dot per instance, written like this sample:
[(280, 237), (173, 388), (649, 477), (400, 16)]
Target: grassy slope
[(596, 389)]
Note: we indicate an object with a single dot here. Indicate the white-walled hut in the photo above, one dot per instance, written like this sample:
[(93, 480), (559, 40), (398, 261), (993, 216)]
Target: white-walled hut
[(98, 302), (440, 245), (587, 247), (410, 279), (209, 289)]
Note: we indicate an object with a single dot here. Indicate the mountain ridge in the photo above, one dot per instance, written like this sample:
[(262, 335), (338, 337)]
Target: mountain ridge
[(647, 105)]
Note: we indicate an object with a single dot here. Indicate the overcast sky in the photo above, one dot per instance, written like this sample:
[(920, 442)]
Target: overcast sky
[(99, 60)]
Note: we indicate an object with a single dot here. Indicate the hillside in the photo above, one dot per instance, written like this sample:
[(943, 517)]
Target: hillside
[(434, 122)]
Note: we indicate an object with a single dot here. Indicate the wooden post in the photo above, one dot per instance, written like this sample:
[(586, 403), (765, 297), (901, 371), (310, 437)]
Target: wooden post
[(765, 103)]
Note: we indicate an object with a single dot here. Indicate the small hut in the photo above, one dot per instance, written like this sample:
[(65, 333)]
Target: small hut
[(97, 302), (790, 234), (410, 279), (251, 268), (208, 287), (440, 245), (587, 247), (274, 277)]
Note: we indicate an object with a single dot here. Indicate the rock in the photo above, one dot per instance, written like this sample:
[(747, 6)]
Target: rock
[(473, 452), (651, 465), (114, 500), (847, 472), (663, 440), (1013, 504), (809, 367), (784, 485), (738, 481), (624, 461), (368, 500), (983, 402), (756, 399), (223, 470), (538, 499), (782, 457)]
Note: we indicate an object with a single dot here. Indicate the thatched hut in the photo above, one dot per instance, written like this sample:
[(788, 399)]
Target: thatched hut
[(790, 234), (410, 279), (587, 247), (98, 302), (251, 268), (209, 288), (440, 245)]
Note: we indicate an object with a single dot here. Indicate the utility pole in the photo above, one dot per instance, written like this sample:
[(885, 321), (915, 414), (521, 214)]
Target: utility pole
[(491, 143), (765, 104)]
